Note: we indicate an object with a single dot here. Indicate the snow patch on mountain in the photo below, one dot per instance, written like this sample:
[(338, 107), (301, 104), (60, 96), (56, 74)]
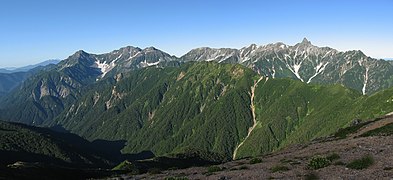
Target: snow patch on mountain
[(226, 57), (104, 67), (118, 57), (147, 64), (135, 55), (295, 70), (153, 64), (245, 59), (365, 81), (274, 72), (318, 70)]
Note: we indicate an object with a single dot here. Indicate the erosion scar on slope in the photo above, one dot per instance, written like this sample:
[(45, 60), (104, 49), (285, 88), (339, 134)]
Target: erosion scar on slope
[(253, 117)]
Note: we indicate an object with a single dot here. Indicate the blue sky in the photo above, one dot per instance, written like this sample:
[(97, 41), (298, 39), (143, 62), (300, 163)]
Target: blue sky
[(33, 31)]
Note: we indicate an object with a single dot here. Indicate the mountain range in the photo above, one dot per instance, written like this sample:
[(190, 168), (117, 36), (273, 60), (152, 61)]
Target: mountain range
[(307, 63), (12, 77), (303, 61), (28, 67), (233, 103)]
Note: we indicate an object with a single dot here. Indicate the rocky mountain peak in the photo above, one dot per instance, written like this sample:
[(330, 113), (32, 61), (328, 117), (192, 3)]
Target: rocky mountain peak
[(129, 48), (123, 52), (79, 53), (306, 45), (305, 41), (253, 46), (151, 48), (78, 56)]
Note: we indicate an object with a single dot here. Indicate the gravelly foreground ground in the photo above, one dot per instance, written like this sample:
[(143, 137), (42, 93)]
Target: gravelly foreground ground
[(297, 158)]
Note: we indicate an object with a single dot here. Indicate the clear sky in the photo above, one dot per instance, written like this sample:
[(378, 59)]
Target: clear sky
[(32, 31)]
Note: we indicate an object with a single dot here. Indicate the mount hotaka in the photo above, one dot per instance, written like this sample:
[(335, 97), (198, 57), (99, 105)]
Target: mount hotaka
[(246, 102)]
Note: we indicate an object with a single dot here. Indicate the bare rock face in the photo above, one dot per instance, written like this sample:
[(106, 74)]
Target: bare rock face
[(307, 63)]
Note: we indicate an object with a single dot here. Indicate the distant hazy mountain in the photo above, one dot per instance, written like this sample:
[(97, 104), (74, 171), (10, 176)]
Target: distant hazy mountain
[(12, 79), (29, 67), (9, 81)]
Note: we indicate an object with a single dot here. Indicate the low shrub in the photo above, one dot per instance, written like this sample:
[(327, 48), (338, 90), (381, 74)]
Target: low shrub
[(212, 169), (243, 167), (333, 157), (278, 168), (311, 176), (154, 171), (339, 163), (387, 168), (343, 133), (290, 161), (386, 130), (176, 178), (255, 160), (127, 166), (318, 162), (361, 163)]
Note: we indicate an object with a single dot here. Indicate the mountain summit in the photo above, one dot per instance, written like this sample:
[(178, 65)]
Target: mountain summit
[(302, 61), (306, 41), (307, 63)]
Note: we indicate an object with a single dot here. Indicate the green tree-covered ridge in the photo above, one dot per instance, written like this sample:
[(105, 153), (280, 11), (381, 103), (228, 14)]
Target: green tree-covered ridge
[(20, 142), (199, 105), (43, 96), (207, 106)]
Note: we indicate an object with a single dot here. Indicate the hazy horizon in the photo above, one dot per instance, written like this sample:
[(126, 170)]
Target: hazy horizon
[(40, 30)]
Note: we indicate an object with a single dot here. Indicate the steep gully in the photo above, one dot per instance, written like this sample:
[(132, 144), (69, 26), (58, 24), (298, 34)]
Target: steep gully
[(253, 116)]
